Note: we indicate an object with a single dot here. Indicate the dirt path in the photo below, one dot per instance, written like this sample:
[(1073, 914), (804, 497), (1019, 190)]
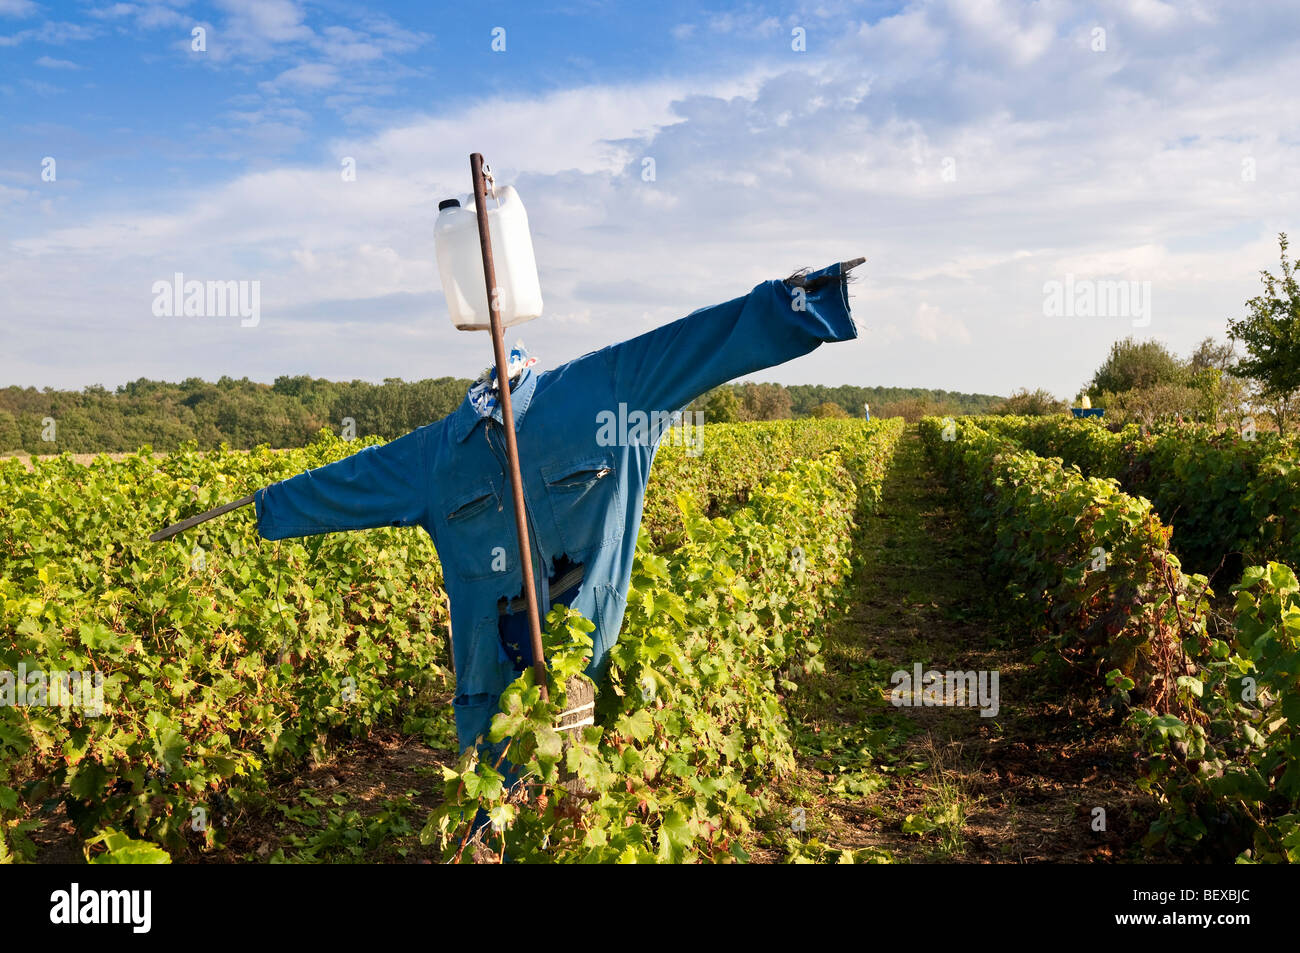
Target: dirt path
[(943, 783)]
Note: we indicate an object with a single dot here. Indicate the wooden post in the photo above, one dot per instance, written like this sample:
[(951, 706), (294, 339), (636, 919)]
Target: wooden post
[(508, 420)]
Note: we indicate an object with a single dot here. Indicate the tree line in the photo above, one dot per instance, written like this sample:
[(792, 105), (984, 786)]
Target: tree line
[(289, 413), (747, 400), (240, 413)]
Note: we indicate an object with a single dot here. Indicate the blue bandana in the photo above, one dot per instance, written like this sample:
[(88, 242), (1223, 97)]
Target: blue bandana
[(483, 392)]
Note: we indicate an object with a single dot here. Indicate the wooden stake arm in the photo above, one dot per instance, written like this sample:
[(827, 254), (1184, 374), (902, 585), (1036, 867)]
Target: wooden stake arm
[(203, 517)]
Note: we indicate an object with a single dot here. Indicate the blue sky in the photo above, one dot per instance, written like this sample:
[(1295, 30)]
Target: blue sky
[(975, 152), (279, 79)]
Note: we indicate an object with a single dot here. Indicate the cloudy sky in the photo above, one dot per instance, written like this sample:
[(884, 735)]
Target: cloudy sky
[(979, 153)]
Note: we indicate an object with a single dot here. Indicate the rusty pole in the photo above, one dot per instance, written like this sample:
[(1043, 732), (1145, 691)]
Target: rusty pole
[(508, 419)]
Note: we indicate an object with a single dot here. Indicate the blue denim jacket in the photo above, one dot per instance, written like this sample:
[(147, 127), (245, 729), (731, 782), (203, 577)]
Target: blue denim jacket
[(582, 491)]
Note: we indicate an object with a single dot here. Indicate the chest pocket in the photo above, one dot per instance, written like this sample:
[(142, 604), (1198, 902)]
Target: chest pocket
[(586, 500), (480, 541)]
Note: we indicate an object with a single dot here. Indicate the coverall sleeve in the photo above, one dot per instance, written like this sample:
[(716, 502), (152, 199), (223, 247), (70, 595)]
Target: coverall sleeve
[(384, 485), (667, 368)]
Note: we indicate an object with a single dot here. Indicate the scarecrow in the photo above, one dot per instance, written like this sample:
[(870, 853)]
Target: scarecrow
[(582, 491), (531, 498)]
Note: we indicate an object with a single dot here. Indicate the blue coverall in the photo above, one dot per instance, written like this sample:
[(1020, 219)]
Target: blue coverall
[(582, 491)]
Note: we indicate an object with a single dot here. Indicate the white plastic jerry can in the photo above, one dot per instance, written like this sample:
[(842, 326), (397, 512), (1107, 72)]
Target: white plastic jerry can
[(460, 262)]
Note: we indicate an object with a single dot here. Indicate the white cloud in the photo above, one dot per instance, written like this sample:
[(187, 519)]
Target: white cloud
[(933, 326), (17, 8), (306, 76), (49, 62), (743, 22), (1152, 13), (52, 32), (114, 11), (259, 25), (150, 14), (12, 196)]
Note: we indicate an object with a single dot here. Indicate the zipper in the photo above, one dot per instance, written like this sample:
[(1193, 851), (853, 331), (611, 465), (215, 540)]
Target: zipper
[(501, 496), (473, 506), (580, 477)]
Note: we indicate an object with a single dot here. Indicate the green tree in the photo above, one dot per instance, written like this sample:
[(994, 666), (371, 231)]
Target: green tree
[(1271, 336), (828, 409), (1027, 403), (764, 402), (1158, 403), (722, 406), (10, 437), (804, 397), (1212, 355), (913, 409), (1134, 365)]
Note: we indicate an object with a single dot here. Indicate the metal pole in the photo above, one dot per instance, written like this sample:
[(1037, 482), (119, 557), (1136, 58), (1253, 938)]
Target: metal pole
[(508, 419)]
